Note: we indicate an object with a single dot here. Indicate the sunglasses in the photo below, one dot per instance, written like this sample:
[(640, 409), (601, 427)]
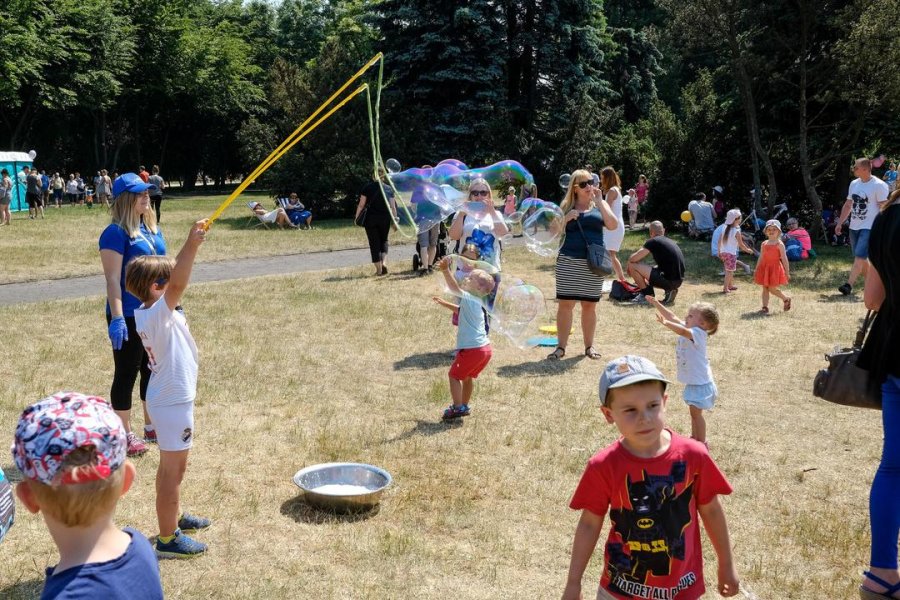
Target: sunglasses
[(480, 193), (584, 184)]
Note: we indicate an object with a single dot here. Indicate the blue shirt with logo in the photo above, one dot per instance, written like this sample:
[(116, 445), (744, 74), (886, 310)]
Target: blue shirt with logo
[(134, 575), (146, 242)]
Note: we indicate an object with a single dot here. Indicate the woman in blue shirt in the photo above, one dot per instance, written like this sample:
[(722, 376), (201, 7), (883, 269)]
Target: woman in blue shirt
[(575, 282), (132, 233)]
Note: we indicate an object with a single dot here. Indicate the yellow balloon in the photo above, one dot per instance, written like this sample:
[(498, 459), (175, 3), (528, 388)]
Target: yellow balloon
[(686, 216)]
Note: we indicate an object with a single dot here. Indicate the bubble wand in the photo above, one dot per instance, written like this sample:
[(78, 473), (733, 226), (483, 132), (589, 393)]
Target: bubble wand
[(299, 133)]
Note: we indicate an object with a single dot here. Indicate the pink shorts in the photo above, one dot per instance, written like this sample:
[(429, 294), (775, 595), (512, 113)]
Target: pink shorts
[(469, 362), (730, 261)]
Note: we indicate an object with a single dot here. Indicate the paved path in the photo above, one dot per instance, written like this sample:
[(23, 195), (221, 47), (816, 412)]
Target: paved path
[(93, 285)]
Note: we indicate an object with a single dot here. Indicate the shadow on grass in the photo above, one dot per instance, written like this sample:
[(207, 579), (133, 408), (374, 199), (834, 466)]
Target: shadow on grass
[(341, 278), (425, 360), (839, 298), (540, 367), (302, 512), (755, 315), (426, 429), (26, 590)]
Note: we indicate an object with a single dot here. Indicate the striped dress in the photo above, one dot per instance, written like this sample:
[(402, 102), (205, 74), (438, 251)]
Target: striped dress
[(574, 279)]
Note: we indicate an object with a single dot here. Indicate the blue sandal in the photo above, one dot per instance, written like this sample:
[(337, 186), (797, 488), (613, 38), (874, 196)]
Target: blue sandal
[(890, 590)]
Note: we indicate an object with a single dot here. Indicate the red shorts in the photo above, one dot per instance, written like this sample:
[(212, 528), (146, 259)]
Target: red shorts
[(469, 362)]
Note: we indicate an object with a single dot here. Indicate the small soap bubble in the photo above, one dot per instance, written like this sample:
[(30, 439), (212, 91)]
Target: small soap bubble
[(564, 180), (392, 165)]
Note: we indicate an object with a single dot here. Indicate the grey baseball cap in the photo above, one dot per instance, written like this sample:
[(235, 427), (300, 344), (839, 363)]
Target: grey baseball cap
[(627, 370)]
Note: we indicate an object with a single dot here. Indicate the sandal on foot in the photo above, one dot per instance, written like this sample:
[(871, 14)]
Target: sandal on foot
[(867, 594), (557, 354), (591, 353), (787, 305), (764, 310)]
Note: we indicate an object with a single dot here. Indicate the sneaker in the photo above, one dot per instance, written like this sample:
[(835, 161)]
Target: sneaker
[(669, 298), (455, 412), (189, 522), (846, 289), (181, 547), (150, 436), (135, 446), (640, 299)]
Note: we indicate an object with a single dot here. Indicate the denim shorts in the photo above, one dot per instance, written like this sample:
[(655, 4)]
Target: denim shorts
[(859, 242), (701, 396)]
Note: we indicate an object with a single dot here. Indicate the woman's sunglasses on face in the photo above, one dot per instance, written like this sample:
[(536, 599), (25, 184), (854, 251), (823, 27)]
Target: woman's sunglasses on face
[(584, 184), (479, 193)]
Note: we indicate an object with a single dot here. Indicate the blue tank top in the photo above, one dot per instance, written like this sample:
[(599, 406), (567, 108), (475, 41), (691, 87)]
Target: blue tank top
[(574, 246)]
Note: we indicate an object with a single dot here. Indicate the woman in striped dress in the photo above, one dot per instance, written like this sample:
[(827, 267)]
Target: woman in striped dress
[(575, 283)]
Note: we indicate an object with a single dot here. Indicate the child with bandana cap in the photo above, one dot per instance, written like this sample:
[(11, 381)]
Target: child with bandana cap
[(71, 450)]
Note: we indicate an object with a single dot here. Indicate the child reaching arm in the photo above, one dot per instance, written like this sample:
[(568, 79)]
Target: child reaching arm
[(472, 342), (441, 302), (700, 390), (159, 283)]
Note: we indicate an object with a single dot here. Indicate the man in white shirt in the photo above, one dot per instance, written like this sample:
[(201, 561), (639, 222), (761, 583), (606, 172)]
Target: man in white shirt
[(864, 200)]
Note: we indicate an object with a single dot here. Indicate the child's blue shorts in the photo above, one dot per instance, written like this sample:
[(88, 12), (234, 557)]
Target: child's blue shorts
[(701, 396)]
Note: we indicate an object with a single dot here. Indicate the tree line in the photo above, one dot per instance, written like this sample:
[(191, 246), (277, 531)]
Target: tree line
[(773, 96)]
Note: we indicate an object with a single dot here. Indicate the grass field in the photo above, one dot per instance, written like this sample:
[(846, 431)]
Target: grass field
[(339, 365), (65, 242)]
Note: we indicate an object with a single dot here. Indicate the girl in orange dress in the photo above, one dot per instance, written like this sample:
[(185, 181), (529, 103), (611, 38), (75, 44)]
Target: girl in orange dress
[(772, 269)]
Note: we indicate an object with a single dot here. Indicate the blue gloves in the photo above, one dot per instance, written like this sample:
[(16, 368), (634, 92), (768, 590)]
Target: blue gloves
[(118, 332)]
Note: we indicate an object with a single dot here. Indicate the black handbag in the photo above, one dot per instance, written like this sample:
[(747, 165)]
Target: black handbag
[(361, 219), (598, 259), (843, 381)]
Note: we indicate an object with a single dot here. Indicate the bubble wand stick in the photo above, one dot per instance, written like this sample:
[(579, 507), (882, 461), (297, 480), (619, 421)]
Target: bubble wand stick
[(296, 136)]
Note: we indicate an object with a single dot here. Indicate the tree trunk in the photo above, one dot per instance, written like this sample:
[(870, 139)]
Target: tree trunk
[(803, 143), (745, 86)]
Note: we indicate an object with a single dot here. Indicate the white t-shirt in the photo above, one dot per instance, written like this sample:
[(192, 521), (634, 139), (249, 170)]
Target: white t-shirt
[(485, 223), (730, 243), (867, 198), (172, 353), (691, 361)]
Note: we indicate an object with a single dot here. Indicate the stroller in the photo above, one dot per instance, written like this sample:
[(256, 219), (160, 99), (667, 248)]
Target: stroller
[(419, 257)]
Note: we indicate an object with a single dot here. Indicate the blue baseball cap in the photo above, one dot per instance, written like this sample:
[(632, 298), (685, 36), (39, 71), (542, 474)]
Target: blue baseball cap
[(130, 182), (628, 370)]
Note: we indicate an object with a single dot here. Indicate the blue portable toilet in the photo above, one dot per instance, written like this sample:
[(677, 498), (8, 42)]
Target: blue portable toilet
[(13, 162)]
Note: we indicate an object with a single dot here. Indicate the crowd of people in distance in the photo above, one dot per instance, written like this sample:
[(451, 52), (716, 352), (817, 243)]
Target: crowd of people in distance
[(44, 190)]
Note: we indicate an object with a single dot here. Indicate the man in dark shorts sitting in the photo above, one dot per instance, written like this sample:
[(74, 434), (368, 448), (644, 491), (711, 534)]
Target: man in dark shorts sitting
[(669, 270)]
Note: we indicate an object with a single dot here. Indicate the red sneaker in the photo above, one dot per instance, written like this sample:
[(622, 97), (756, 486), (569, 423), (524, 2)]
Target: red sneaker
[(135, 446)]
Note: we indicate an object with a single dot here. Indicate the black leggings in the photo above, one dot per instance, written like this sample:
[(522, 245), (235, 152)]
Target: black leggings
[(377, 232), (129, 361), (156, 200)]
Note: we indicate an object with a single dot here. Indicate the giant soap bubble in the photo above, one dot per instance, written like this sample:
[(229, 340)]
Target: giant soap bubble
[(515, 308), (543, 227), (449, 181)]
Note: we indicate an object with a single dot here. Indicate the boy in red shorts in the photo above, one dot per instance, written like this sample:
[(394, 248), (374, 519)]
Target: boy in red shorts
[(472, 343)]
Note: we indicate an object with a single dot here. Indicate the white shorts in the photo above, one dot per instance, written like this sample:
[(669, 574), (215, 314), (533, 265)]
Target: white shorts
[(174, 425)]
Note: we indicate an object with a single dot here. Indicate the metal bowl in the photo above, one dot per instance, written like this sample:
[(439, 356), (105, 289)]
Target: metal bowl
[(343, 487)]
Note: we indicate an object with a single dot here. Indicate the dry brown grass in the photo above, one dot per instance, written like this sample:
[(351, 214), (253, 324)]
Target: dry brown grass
[(65, 243), (341, 366)]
